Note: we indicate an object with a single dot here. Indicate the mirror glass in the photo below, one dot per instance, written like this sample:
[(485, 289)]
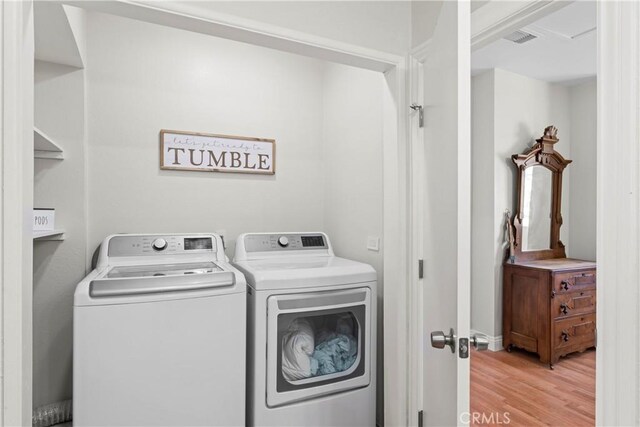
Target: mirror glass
[(536, 209)]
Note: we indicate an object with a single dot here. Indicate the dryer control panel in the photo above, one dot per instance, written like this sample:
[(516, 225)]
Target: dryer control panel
[(284, 242)]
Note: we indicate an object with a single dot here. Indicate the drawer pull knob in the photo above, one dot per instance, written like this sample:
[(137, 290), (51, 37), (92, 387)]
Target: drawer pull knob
[(564, 308), (553, 294), (565, 335), (564, 285)]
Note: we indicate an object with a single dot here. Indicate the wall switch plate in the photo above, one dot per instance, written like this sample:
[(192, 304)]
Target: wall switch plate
[(373, 243)]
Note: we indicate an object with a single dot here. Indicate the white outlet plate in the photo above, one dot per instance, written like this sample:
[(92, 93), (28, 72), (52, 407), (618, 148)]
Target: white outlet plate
[(373, 243)]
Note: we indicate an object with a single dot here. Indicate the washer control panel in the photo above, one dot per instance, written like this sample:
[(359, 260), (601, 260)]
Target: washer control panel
[(284, 242), (138, 245)]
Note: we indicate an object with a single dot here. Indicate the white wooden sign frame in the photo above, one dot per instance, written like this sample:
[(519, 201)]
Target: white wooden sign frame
[(204, 152)]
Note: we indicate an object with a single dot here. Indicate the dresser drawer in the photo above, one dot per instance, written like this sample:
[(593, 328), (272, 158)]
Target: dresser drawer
[(574, 333), (573, 303), (574, 281)]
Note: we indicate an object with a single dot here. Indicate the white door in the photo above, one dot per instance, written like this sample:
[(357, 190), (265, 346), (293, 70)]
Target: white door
[(447, 210)]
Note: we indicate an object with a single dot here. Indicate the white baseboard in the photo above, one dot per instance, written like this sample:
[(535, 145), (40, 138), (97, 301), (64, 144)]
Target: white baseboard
[(495, 343)]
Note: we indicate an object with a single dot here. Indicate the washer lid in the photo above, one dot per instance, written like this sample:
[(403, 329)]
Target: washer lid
[(162, 270), (133, 284), (302, 272), (179, 280)]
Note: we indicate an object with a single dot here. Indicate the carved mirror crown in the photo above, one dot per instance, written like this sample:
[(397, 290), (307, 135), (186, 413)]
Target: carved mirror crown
[(538, 217)]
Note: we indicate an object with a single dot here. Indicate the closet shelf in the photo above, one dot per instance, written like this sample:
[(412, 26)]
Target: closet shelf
[(48, 235), (44, 147)]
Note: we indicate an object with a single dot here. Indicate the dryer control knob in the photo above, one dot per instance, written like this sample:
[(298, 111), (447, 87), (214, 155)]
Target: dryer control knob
[(159, 244), (283, 241)]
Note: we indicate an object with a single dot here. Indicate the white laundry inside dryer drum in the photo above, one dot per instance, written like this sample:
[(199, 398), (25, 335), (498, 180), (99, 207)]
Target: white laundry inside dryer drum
[(316, 346)]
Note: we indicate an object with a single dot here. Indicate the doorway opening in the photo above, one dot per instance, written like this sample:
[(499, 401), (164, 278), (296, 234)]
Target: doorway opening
[(296, 93), (539, 75)]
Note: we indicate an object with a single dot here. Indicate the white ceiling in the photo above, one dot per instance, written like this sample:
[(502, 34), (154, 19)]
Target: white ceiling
[(564, 52)]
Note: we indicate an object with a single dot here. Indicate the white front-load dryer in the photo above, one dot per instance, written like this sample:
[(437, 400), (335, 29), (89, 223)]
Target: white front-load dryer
[(160, 334), (313, 315)]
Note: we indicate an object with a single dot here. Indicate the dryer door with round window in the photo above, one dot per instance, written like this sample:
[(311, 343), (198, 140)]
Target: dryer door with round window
[(319, 343)]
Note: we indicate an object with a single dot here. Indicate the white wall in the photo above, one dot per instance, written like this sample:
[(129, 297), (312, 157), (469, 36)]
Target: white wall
[(582, 215), (517, 109), (424, 17), (142, 78), (352, 153)]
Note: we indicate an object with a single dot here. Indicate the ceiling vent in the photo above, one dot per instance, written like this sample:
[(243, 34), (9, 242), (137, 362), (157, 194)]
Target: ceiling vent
[(520, 37)]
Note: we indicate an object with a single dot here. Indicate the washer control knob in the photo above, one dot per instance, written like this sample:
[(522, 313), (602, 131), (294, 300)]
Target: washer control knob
[(159, 244), (283, 241)]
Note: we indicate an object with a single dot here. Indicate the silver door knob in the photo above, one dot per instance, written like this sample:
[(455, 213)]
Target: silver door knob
[(439, 340), (480, 342)]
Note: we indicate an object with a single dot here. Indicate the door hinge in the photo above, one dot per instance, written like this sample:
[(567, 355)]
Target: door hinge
[(420, 110), (420, 418), (420, 269)]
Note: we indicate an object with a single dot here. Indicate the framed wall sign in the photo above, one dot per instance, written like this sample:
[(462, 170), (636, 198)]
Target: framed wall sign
[(204, 152)]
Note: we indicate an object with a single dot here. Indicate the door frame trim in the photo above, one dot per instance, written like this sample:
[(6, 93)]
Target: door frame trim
[(16, 175), (231, 27), (416, 285), (499, 18), (618, 214)]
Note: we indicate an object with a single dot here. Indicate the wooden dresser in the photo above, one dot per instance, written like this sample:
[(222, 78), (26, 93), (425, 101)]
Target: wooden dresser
[(549, 307), (549, 300)]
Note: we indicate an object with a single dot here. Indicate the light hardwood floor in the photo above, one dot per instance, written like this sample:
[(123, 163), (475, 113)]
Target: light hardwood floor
[(530, 392)]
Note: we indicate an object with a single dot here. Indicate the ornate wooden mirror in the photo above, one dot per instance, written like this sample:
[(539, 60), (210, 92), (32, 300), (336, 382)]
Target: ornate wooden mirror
[(538, 218)]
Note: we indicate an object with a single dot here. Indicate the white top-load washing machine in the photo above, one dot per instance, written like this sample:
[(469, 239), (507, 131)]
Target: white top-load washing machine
[(314, 316), (160, 335)]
